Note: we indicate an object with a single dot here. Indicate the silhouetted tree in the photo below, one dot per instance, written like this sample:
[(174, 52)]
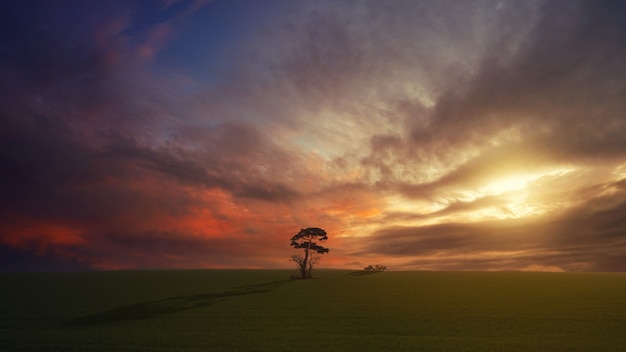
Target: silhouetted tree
[(305, 239)]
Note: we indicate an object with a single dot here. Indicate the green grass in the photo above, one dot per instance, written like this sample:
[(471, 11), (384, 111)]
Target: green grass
[(262, 310)]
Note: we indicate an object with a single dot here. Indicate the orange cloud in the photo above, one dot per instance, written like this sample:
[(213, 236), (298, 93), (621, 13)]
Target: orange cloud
[(28, 233)]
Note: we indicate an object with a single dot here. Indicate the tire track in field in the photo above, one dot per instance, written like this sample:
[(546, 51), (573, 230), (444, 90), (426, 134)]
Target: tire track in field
[(153, 309)]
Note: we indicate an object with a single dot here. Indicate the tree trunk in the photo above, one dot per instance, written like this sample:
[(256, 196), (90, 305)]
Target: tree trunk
[(305, 263)]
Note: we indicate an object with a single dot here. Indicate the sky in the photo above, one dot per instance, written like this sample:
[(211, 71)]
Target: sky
[(421, 135)]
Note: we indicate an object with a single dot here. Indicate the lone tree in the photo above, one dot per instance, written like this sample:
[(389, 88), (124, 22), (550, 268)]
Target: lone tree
[(305, 239)]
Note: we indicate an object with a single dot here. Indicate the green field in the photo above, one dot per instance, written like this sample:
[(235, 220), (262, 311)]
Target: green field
[(262, 310)]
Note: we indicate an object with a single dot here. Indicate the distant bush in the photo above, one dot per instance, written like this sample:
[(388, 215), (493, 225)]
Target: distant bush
[(376, 267)]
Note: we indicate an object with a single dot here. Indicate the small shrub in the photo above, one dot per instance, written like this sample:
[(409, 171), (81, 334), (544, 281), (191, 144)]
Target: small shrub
[(376, 267)]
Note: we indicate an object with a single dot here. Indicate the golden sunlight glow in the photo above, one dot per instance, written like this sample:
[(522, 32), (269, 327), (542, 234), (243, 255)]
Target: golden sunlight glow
[(403, 204), (517, 195), (520, 182), (518, 190), (506, 185), (620, 172)]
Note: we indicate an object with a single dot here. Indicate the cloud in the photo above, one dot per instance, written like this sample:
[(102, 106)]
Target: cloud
[(553, 99), (86, 163), (577, 238), (390, 125), (559, 90)]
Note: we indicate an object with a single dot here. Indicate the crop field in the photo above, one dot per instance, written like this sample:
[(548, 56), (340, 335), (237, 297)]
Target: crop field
[(339, 310)]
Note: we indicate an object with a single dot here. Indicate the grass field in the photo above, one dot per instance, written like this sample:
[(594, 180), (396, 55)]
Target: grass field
[(262, 310)]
